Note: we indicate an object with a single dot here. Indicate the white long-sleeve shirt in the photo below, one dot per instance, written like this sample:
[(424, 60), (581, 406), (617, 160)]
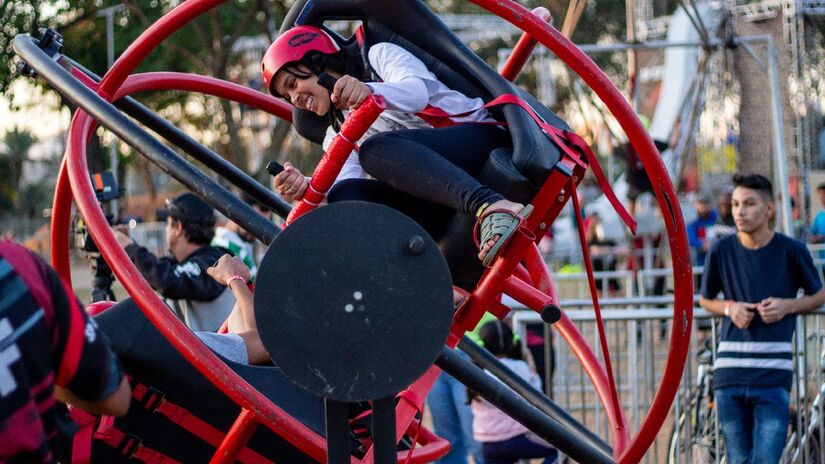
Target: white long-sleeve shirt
[(407, 87)]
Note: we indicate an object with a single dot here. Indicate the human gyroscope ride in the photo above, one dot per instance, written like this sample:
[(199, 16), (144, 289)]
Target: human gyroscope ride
[(353, 299)]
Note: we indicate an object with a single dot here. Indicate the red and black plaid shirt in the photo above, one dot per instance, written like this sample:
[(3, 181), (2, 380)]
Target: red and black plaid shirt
[(45, 340)]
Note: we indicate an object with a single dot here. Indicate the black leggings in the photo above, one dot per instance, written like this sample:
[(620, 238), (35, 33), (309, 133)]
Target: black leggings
[(431, 216), (437, 165), (451, 230)]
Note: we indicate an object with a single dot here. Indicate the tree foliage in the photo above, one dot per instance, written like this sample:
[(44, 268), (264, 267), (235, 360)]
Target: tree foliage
[(14, 153), (208, 45)]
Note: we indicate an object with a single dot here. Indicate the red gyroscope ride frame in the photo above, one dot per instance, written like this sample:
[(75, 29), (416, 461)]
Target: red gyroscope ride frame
[(520, 272)]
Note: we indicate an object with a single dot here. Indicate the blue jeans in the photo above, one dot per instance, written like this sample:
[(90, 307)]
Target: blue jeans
[(453, 420), (754, 423)]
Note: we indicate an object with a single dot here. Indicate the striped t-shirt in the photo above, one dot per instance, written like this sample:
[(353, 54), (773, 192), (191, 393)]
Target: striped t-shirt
[(759, 355)]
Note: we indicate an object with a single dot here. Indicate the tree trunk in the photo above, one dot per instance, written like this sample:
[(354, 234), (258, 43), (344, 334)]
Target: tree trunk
[(234, 150)]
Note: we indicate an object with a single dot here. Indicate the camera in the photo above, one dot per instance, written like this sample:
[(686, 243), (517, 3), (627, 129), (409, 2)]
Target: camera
[(105, 191)]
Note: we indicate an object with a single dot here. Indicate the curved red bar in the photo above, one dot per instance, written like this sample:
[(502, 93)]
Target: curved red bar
[(356, 125), (206, 85), (597, 80), (150, 39), (524, 47), (61, 217), (156, 311), (666, 196)]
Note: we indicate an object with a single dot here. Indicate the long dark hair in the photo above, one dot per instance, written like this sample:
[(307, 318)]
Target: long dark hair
[(497, 338), (343, 62)]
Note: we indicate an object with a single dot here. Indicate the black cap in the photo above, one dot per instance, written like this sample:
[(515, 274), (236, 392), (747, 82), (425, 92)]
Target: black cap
[(190, 207)]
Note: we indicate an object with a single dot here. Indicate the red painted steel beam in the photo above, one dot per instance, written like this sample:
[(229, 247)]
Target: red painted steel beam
[(523, 49), (206, 85), (202, 358), (235, 440), (665, 195)]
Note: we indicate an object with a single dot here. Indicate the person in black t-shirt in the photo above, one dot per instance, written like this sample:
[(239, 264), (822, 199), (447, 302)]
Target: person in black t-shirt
[(198, 300), (760, 273), (48, 349)]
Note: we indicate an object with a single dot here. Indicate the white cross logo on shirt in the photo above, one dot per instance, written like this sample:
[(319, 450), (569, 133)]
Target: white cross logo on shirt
[(8, 356)]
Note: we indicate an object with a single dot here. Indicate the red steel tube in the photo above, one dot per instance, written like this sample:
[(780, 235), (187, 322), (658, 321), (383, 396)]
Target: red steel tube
[(235, 440), (137, 83), (150, 39), (666, 197), (207, 363), (356, 125), (61, 217), (534, 299), (524, 47)]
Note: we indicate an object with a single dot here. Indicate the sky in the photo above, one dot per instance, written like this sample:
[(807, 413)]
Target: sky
[(36, 111)]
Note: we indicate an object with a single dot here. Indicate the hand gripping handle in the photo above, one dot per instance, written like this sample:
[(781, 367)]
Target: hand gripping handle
[(355, 126)]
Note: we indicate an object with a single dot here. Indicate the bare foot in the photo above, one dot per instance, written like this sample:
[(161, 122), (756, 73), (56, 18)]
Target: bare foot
[(501, 204)]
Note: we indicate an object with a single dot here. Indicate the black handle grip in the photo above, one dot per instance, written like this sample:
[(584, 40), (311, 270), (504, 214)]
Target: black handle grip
[(326, 81), (274, 168)]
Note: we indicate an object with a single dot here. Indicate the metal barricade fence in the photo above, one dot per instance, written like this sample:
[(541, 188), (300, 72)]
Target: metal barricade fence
[(638, 349)]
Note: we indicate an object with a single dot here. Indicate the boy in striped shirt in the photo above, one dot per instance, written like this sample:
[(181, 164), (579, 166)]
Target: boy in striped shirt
[(760, 273)]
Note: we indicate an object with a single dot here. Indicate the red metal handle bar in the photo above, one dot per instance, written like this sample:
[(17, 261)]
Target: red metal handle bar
[(524, 47), (235, 440), (432, 448), (355, 126), (207, 85), (159, 31), (531, 297)]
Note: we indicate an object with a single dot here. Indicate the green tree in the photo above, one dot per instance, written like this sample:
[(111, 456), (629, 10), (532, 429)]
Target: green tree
[(204, 46), (14, 153), (34, 198)]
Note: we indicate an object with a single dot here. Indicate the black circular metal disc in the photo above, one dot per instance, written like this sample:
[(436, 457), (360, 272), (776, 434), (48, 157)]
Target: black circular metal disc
[(353, 301)]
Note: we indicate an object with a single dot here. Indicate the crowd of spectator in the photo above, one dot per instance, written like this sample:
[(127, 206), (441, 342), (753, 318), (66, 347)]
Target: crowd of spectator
[(205, 278)]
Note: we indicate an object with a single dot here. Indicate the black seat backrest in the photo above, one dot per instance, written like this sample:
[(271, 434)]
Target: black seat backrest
[(151, 360), (412, 25)]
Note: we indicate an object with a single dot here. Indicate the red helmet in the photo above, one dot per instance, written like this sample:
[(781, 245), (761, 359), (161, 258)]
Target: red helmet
[(292, 46)]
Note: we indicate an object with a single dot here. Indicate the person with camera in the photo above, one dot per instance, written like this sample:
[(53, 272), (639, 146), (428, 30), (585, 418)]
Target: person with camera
[(199, 301)]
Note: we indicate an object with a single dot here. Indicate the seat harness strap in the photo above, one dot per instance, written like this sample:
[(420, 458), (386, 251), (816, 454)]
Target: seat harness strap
[(131, 446), (437, 117), (155, 401)]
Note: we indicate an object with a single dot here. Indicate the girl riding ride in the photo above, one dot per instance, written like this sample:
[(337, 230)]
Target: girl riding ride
[(429, 144)]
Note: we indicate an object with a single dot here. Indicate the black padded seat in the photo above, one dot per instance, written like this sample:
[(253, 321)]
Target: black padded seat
[(150, 359)]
